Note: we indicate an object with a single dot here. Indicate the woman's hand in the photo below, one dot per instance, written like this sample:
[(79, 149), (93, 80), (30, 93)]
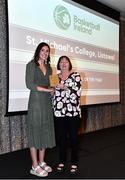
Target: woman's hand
[(61, 86), (50, 89), (45, 89)]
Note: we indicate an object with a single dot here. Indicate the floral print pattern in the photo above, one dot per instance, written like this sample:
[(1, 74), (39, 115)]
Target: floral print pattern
[(67, 102)]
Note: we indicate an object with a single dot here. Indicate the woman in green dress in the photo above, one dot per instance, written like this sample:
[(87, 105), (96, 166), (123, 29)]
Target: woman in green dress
[(40, 114)]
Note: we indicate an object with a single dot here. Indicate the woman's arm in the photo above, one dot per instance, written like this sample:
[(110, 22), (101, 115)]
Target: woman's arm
[(30, 82), (45, 89), (75, 84), (29, 78)]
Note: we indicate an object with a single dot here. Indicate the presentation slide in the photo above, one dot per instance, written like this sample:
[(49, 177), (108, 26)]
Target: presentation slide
[(90, 39)]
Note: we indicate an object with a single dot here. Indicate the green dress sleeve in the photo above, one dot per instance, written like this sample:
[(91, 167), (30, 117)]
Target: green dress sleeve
[(30, 74)]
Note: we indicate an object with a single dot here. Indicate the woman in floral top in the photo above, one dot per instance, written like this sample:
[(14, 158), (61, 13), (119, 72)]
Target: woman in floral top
[(67, 112)]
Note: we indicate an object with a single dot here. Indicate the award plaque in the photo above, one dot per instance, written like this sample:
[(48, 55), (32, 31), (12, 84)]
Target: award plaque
[(54, 80)]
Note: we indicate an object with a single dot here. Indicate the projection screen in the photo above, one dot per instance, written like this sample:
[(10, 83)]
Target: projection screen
[(89, 38)]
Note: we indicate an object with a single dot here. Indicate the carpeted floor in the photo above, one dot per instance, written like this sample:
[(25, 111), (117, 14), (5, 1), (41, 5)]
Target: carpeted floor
[(101, 156)]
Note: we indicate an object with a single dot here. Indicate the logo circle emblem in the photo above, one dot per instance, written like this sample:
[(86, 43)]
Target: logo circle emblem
[(62, 17)]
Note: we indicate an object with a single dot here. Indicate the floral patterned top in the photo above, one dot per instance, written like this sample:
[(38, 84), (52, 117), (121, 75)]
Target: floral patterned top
[(66, 102)]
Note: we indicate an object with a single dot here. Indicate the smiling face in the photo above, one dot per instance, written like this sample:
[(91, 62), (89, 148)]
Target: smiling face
[(44, 53), (64, 64)]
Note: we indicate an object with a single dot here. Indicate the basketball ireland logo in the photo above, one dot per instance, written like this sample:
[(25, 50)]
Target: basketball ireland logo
[(62, 17)]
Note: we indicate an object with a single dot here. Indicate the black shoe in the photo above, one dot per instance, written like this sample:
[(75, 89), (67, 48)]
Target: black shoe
[(73, 169), (60, 167)]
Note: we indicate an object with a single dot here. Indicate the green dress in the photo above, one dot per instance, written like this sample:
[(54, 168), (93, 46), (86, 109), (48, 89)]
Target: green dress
[(40, 114)]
